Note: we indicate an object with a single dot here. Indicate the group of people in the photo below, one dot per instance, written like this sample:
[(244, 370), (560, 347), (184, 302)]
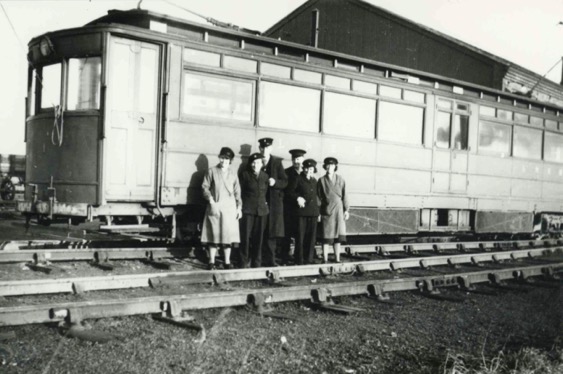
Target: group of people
[(265, 205)]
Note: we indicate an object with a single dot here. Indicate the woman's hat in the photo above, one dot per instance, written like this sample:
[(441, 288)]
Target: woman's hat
[(227, 152), (331, 160), (309, 163), (253, 157)]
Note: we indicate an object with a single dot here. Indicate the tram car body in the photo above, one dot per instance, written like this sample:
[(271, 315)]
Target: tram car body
[(126, 114)]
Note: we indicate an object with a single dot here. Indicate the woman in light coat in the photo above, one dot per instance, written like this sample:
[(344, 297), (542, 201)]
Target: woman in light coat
[(334, 208), (221, 189)]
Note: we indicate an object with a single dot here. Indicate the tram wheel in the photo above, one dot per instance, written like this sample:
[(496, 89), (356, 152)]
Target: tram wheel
[(8, 190)]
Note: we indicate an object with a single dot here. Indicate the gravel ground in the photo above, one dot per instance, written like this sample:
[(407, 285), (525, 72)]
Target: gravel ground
[(412, 334)]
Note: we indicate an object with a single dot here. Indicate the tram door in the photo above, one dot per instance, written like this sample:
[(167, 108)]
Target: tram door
[(131, 120), (451, 146)]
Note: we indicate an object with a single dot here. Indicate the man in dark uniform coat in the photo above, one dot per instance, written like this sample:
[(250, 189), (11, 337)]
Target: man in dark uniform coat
[(290, 206), (277, 183), (254, 187)]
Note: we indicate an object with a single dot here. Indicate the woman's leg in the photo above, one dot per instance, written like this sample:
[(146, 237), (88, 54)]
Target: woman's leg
[(212, 254), (325, 252), (337, 251), (227, 253)]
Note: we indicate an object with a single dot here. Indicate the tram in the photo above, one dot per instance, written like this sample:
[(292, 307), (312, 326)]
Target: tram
[(125, 114)]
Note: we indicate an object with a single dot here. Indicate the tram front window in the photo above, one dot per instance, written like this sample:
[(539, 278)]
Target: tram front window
[(51, 86), (84, 83)]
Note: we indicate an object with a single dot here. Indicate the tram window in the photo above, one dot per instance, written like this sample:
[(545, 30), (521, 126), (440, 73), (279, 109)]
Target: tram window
[(460, 132), (365, 87), (553, 147), (84, 83), (550, 124), (241, 64), (349, 116), (216, 97), (521, 118), (487, 111), (537, 121), (51, 86), (445, 104), (494, 138), (337, 82), (463, 107), (504, 114), (202, 57), (307, 76), (527, 143), (390, 92), (413, 96), (289, 107), (400, 123), (443, 121), (275, 70), (31, 93)]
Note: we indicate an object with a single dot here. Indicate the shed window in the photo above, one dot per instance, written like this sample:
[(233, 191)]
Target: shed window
[(494, 138), (527, 143), (215, 97), (553, 147), (400, 123), (51, 86), (289, 107), (349, 116), (84, 82)]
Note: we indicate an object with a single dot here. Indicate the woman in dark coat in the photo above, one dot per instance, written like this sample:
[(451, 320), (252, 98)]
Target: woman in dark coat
[(334, 208), (304, 194), (254, 186), (222, 190)]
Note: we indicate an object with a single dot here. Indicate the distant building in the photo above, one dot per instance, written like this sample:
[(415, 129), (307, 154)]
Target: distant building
[(361, 29)]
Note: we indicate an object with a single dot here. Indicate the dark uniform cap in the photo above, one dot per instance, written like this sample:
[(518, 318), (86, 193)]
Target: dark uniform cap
[(297, 153), (265, 142), (330, 160), (309, 163), (253, 157), (227, 152)]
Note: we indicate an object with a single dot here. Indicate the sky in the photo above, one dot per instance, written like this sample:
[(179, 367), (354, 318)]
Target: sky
[(526, 32)]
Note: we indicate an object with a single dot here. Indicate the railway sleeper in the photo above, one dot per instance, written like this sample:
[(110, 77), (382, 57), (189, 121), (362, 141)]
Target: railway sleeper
[(496, 281), (173, 314), (430, 288), (322, 299), (524, 278), (375, 292), (260, 303), (40, 263), (102, 261)]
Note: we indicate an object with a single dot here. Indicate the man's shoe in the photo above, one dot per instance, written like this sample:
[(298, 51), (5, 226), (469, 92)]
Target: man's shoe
[(211, 267)]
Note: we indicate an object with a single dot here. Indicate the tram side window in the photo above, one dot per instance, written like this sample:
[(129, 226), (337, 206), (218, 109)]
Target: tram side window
[(400, 123), (31, 93), (289, 107), (349, 116), (217, 97), (553, 147), (51, 86), (84, 82), (494, 138), (527, 143)]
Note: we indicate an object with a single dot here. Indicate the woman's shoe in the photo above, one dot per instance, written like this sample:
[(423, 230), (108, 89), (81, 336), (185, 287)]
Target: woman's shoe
[(227, 266), (211, 267)]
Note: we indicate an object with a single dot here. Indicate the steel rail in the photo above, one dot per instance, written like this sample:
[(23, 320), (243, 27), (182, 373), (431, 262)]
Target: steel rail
[(76, 311), (91, 254), (11, 252), (112, 282), (386, 249)]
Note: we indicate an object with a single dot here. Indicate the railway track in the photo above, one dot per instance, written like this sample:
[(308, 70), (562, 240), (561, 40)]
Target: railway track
[(174, 307), (56, 250)]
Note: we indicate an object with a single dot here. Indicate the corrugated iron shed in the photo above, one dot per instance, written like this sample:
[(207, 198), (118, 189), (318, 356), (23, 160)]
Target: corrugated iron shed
[(359, 28)]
